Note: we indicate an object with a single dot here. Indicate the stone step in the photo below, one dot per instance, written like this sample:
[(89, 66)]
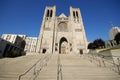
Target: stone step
[(50, 71), (77, 68), (73, 67)]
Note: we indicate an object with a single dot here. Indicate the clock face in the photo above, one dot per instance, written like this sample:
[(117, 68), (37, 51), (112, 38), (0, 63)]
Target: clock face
[(62, 27)]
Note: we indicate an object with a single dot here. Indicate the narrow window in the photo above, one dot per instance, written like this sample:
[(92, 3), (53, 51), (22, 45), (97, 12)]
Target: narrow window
[(47, 13), (51, 13), (77, 14), (74, 14)]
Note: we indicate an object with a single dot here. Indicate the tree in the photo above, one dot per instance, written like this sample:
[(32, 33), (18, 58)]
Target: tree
[(98, 43), (91, 46), (117, 38)]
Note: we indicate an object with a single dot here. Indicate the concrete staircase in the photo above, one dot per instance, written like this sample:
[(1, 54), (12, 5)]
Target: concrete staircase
[(57, 67), (50, 71), (75, 67), (11, 68)]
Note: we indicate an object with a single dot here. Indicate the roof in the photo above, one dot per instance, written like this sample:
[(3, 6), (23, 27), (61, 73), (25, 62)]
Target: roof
[(63, 15)]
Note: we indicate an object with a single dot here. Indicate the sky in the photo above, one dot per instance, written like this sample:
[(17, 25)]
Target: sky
[(25, 16)]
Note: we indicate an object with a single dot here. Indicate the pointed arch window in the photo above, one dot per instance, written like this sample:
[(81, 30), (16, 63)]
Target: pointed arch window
[(47, 13), (51, 12), (74, 14), (77, 14)]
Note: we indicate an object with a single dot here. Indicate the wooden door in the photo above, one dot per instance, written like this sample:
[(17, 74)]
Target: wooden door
[(63, 50)]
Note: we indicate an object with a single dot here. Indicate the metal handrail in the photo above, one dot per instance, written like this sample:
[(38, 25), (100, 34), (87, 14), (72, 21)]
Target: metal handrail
[(101, 60), (59, 69), (104, 55), (34, 66), (28, 70)]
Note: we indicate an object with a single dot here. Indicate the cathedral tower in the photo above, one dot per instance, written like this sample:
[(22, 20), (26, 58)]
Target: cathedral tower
[(62, 34)]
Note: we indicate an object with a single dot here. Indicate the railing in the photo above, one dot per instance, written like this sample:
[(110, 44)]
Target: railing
[(102, 61), (59, 69), (33, 72)]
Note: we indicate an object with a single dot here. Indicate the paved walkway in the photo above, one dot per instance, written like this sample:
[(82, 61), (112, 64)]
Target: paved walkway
[(62, 67)]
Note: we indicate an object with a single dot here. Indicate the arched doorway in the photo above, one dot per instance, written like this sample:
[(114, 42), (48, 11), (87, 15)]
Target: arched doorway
[(63, 46)]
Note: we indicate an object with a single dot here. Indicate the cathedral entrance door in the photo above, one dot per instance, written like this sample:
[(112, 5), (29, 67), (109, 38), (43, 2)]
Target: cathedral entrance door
[(63, 46), (63, 50)]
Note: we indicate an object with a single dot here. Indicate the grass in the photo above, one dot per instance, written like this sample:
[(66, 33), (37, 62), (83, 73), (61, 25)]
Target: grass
[(107, 49)]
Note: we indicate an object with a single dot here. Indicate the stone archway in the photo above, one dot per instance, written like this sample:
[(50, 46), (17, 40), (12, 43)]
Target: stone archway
[(63, 46)]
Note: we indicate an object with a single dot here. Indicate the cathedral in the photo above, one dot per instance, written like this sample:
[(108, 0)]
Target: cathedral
[(62, 34)]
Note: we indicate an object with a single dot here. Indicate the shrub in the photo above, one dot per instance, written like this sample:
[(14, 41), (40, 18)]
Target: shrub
[(23, 53), (13, 53)]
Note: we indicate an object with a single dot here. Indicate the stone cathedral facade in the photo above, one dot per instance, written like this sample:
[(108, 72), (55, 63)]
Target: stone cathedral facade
[(62, 34)]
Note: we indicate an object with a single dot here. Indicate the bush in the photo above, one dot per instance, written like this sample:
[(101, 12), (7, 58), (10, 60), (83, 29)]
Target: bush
[(13, 53), (23, 53)]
